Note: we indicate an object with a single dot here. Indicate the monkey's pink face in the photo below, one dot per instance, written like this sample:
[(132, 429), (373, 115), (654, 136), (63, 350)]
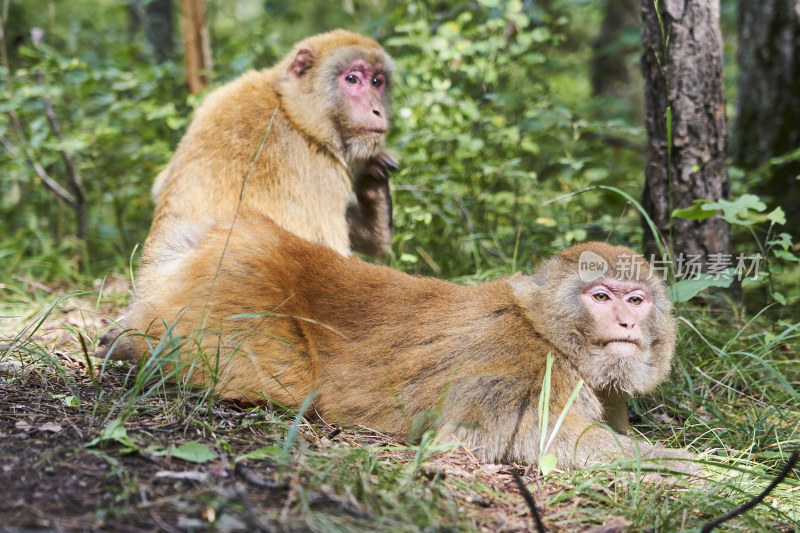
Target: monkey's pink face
[(363, 86), (619, 309)]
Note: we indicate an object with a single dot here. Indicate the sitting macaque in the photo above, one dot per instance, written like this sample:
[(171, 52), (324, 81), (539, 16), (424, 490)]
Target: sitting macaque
[(300, 142), (273, 317)]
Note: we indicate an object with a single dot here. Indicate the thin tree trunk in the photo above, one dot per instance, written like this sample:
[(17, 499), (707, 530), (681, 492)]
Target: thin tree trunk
[(155, 16), (196, 44), (685, 77), (768, 104), (611, 73), (159, 28)]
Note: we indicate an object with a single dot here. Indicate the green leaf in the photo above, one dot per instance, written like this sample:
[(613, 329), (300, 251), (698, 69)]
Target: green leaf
[(543, 409), (746, 282), (114, 431), (784, 240), (161, 112), (736, 211), (194, 452), (563, 414), (786, 256), (157, 450), (780, 298), (70, 401), (695, 212), (67, 399), (685, 290), (176, 123), (540, 34), (291, 435), (266, 452), (669, 127), (547, 463), (777, 216)]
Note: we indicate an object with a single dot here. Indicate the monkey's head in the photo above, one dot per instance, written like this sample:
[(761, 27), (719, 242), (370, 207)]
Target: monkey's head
[(335, 87), (607, 308)]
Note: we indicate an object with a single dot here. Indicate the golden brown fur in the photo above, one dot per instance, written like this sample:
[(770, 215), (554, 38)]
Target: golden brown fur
[(281, 317), (314, 140)]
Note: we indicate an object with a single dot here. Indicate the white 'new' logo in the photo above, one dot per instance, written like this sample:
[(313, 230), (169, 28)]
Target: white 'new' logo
[(591, 266)]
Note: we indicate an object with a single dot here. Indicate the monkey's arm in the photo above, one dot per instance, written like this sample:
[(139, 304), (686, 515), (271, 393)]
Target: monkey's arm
[(496, 415), (369, 215)]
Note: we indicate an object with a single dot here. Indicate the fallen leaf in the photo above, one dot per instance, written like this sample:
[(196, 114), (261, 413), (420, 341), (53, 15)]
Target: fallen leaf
[(191, 475), (50, 426), (615, 525), (266, 452), (497, 469), (10, 368), (194, 452)]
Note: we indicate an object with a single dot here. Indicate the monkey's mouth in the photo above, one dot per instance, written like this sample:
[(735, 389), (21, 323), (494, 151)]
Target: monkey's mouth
[(629, 341), (622, 347), (372, 132)]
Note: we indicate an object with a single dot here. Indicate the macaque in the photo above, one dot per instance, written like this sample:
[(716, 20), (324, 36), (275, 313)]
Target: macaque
[(322, 115), (274, 318)]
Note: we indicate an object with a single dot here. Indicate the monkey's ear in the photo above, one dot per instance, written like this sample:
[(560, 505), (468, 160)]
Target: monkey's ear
[(303, 61)]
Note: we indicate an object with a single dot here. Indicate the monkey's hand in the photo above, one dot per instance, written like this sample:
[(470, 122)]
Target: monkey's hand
[(582, 443), (677, 460), (118, 345), (663, 460), (369, 215), (371, 184), (106, 340)]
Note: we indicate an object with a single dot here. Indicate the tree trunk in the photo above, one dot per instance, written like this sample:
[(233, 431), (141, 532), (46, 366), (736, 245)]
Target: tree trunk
[(768, 105), (155, 16), (685, 77), (159, 28), (196, 44), (611, 75)]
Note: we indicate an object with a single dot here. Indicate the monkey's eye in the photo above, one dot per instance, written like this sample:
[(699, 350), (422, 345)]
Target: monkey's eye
[(600, 297), (377, 82), (351, 79), (636, 300)]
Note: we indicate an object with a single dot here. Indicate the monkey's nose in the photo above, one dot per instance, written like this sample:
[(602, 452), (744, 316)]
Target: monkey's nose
[(376, 112)]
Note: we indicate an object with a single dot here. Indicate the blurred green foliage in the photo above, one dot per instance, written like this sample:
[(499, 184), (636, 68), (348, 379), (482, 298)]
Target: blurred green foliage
[(492, 118), (502, 143)]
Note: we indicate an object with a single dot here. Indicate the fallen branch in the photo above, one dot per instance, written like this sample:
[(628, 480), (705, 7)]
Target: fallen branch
[(75, 181)]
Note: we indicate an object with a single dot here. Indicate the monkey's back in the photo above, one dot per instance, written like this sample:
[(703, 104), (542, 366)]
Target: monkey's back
[(221, 165)]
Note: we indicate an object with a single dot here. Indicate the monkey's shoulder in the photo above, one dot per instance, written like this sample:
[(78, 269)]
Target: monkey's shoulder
[(250, 93)]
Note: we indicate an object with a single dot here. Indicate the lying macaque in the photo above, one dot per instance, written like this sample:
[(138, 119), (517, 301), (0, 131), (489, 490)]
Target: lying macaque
[(273, 317)]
